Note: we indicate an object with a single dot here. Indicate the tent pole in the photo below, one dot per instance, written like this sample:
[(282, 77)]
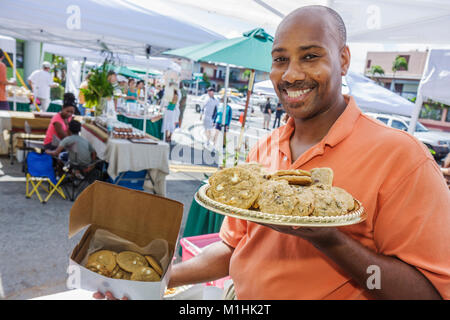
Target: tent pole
[(241, 135), (419, 101), (14, 75), (224, 113)]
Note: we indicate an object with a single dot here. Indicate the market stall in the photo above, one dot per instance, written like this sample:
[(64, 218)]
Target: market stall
[(128, 154), (14, 122)]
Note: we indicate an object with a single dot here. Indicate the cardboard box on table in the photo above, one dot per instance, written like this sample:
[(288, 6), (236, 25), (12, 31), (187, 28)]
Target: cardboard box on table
[(136, 216)]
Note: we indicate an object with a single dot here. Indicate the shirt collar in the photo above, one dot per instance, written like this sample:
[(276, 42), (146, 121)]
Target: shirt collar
[(339, 131)]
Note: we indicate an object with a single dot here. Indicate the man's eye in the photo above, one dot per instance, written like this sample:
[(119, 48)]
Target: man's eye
[(280, 59), (310, 56)]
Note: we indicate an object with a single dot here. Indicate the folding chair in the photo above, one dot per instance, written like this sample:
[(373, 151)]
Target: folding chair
[(39, 169), (90, 173)]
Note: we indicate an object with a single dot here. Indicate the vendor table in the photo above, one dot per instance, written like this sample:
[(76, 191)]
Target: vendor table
[(153, 125), (14, 122), (123, 155)]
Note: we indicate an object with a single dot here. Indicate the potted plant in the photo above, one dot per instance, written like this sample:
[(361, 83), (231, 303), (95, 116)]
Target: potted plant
[(98, 90)]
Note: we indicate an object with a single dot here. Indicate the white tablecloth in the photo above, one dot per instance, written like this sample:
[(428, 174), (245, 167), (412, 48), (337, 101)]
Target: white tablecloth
[(123, 155)]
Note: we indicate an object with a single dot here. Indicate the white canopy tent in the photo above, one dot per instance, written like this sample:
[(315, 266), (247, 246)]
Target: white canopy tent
[(368, 95), (435, 82), (393, 21), (115, 25), (157, 63)]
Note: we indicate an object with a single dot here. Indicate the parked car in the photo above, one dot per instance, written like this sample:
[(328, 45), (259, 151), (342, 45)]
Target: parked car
[(231, 92), (238, 106), (436, 141)]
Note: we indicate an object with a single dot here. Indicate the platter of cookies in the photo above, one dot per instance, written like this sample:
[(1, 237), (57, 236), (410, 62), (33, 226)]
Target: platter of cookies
[(285, 197), (125, 265)]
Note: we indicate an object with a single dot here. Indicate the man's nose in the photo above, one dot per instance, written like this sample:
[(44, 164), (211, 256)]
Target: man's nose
[(293, 73)]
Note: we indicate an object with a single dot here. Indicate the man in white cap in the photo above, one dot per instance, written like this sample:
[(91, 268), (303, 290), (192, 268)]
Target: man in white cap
[(40, 82)]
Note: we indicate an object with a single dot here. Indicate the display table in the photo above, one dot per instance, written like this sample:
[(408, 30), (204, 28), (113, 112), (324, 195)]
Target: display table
[(14, 122), (122, 155), (153, 125)]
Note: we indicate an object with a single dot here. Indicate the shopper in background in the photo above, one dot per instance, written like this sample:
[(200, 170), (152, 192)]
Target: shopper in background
[(40, 82), (3, 83), (183, 100), (278, 113), (207, 114), (218, 119), (267, 114)]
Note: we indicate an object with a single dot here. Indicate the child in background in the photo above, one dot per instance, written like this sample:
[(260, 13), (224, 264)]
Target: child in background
[(79, 153)]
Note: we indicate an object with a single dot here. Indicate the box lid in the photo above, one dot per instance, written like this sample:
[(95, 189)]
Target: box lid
[(134, 215)]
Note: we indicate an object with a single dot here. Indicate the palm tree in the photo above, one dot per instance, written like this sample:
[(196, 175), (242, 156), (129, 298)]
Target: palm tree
[(376, 69), (399, 63)]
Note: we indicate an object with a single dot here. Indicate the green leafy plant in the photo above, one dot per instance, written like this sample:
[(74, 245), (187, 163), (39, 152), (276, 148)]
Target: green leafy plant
[(376, 70), (98, 87), (399, 63)]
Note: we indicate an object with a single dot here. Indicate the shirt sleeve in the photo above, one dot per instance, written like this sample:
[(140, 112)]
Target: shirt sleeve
[(2, 72), (413, 224), (32, 76), (66, 142)]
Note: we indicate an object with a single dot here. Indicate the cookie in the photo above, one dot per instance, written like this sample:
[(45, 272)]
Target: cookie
[(292, 172), (154, 264), (277, 197), (236, 187), (256, 168), (106, 258), (343, 197), (145, 274), (129, 261), (305, 202), (98, 268), (295, 179), (325, 203), (121, 274), (322, 176)]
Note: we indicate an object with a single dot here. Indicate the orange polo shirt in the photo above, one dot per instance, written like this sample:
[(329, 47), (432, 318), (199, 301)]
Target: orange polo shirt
[(400, 187)]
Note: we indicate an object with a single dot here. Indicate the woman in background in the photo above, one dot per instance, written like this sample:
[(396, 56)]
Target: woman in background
[(58, 128), (132, 92), (170, 118)]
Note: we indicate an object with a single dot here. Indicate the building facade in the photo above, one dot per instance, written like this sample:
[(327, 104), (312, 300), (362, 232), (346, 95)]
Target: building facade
[(405, 82), (215, 76)]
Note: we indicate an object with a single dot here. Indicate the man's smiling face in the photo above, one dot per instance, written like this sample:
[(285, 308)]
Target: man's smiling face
[(308, 60)]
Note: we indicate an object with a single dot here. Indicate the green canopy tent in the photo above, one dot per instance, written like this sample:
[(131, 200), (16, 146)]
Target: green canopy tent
[(141, 73), (252, 51), (126, 72)]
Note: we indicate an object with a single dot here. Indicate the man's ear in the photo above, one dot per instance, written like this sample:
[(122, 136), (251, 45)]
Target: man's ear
[(345, 60)]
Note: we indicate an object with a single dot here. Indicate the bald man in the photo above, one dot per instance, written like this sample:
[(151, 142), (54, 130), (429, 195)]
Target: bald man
[(399, 252)]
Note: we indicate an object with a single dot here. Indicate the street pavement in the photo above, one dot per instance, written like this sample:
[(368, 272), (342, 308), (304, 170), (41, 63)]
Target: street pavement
[(34, 244)]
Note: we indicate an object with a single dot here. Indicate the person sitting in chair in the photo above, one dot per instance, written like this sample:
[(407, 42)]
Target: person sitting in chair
[(80, 152)]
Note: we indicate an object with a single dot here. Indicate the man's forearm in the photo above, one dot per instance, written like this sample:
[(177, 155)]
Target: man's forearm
[(397, 279), (213, 263)]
